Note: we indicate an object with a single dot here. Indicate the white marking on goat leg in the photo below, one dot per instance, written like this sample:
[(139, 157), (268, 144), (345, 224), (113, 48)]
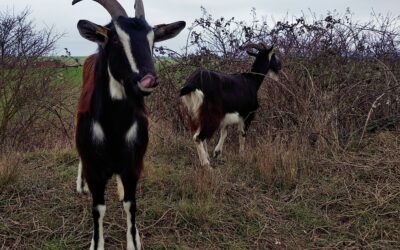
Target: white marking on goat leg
[(202, 154), (100, 245), (242, 133), (102, 211), (150, 39), (193, 102), (98, 134), (126, 43), (132, 133), (206, 149), (131, 244), (79, 181), (85, 187), (92, 244), (220, 145), (137, 239), (117, 90), (120, 188), (81, 184), (230, 119)]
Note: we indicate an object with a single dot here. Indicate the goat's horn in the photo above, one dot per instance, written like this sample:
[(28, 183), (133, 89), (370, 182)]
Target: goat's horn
[(139, 9), (112, 6)]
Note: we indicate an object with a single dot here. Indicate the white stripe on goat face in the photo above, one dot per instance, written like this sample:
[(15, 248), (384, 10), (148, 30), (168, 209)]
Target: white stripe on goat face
[(126, 43), (150, 39)]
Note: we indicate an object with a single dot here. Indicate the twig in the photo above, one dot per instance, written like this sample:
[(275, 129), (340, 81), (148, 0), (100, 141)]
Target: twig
[(369, 116)]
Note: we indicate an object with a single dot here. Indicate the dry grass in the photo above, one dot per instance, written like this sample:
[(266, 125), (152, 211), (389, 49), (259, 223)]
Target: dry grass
[(278, 195), (9, 170)]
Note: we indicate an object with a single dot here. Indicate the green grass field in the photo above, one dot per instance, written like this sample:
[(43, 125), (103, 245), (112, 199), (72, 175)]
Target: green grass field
[(74, 75)]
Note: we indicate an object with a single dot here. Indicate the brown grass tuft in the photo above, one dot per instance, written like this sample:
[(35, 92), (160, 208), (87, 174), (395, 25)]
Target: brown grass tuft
[(280, 163), (9, 170)]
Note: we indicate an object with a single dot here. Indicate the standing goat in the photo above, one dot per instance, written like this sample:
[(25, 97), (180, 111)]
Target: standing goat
[(215, 100), (112, 126)]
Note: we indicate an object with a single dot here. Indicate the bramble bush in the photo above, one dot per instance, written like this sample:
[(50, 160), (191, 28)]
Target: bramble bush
[(339, 77)]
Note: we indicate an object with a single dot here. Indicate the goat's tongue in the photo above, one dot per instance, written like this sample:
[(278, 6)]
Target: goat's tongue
[(148, 82)]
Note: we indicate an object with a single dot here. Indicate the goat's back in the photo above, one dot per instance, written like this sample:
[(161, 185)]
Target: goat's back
[(233, 92)]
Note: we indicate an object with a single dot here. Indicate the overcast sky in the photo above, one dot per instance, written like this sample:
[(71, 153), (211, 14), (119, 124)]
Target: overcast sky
[(63, 16)]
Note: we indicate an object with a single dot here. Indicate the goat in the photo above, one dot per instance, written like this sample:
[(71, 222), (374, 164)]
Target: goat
[(215, 100), (112, 126)]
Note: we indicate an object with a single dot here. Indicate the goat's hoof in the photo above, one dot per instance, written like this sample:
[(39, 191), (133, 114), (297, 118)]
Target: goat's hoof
[(85, 188), (217, 153), (205, 162), (208, 167), (82, 190)]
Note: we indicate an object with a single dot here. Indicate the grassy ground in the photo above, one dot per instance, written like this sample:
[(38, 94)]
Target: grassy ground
[(272, 198), (281, 194)]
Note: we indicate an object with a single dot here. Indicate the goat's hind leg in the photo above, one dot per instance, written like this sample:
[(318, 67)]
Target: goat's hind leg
[(220, 145), (242, 136), (243, 127), (81, 185)]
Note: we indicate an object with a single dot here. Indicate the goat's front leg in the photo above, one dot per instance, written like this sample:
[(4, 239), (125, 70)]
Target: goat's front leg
[(129, 182), (201, 150), (97, 188), (220, 145), (206, 149)]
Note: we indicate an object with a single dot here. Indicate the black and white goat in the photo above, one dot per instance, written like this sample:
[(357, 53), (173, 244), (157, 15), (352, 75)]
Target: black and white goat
[(112, 126), (215, 100)]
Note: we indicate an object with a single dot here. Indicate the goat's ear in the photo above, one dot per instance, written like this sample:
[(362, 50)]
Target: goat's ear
[(93, 32), (167, 31)]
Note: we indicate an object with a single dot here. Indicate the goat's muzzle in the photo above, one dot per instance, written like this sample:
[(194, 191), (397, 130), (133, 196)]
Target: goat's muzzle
[(148, 82)]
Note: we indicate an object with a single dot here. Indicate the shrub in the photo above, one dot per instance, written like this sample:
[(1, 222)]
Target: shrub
[(339, 78), (32, 96)]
